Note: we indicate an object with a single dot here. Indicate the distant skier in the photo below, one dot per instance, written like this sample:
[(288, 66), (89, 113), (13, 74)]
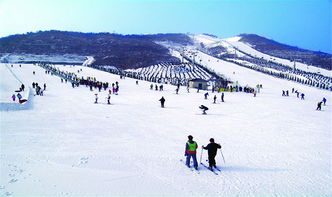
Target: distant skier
[(96, 98), (214, 98), (222, 97), (203, 108), (324, 101), (190, 152), (206, 95), (13, 97), (319, 105), (19, 96), (162, 101), (212, 148), (22, 87), (302, 96), (109, 99)]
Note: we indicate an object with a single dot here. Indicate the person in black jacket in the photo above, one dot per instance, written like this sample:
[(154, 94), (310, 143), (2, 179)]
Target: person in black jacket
[(162, 101), (212, 148)]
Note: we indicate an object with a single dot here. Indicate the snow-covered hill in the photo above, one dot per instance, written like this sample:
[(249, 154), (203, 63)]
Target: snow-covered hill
[(235, 46), (65, 145)]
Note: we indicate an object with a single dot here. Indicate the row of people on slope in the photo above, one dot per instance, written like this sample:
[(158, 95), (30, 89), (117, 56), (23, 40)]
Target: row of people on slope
[(191, 150)]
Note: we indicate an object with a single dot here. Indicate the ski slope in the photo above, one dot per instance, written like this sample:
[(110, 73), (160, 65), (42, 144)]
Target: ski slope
[(234, 44), (65, 145)]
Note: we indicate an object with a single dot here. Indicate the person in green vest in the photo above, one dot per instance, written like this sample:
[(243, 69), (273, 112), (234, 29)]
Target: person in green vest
[(191, 147)]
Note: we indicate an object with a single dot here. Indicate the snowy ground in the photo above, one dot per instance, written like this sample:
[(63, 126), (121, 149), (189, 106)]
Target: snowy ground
[(64, 145)]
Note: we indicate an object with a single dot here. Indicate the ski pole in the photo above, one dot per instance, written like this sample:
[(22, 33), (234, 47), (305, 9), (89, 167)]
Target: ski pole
[(200, 160), (222, 156)]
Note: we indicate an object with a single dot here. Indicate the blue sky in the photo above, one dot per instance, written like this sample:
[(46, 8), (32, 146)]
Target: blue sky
[(302, 23)]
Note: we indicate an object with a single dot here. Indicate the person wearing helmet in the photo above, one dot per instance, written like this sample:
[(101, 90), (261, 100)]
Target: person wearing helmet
[(190, 152)]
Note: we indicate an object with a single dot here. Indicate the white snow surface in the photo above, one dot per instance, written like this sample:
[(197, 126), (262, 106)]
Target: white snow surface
[(234, 44), (65, 145)]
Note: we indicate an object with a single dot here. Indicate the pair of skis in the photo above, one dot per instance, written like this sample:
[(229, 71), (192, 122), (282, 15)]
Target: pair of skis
[(197, 171)]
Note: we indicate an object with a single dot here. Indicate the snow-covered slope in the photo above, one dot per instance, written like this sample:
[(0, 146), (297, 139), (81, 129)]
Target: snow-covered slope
[(234, 45), (65, 145)]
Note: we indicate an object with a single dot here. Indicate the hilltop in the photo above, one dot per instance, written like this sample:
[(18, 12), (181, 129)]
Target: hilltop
[(133, 51)]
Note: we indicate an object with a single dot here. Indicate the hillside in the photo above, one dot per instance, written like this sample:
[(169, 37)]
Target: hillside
[(137, 51), (276, 49), (123, 51)]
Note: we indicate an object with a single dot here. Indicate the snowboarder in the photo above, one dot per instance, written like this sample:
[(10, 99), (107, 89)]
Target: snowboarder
[(324, 100), (162, 101), (190, 151), (222, 97), (203, 108), (214, 99), (206, 95), (212, 148), (319, 105)]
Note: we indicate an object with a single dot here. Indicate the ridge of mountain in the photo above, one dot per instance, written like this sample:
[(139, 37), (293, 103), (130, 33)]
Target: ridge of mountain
[(135, 51), (276, 49)]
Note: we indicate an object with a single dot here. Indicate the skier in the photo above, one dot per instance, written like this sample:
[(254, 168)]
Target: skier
[(324, 100), (222, 97), (190, 151), (108, 99), (204, 108), (162, 101), (22, 87), (13, 97), (19, 96), (206, 95), (96, 101), (212, 148), (214, 99), (319, 105), (302, 96)]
